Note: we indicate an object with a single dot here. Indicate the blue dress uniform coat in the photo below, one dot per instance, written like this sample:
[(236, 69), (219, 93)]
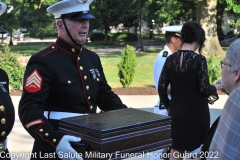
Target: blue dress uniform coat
[(7, 113), (62, 78)]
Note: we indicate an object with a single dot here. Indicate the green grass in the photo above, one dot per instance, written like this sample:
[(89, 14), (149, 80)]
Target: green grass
[(145, 60), (28, 49), (160, 37), (143, 74), (144, 71)]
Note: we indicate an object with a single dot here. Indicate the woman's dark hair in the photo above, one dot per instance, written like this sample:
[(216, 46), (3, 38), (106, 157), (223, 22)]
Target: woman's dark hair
[(193, 32)]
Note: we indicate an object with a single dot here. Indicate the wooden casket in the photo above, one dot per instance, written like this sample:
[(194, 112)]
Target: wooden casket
[(120, 132)]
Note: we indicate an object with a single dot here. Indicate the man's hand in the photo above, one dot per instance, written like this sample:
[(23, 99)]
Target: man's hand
[(218, 84), (64, 149), (219, 81)]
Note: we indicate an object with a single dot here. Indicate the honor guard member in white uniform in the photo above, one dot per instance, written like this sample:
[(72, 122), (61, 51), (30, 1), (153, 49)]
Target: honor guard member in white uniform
[(63, 80), (7, 112), (173, 44)]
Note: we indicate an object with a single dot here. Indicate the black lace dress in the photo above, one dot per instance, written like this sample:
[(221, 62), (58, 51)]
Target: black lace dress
[(190, 95)]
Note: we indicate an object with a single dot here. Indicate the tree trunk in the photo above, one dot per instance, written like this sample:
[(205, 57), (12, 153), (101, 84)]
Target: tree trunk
[(106, 38), (106, 34), (220, 10), (135, 29), (10, 42), (206, 16)]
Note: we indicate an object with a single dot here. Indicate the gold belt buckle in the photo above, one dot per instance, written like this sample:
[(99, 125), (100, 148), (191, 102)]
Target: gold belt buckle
[(2, 146)]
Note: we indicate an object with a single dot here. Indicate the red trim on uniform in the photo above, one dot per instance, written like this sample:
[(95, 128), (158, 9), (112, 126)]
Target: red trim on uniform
[(33, 82), (53, 50), (85, 95), (66, 50), (33, 123), (69, 45), (43, 49), (67, 42), (37, 132)]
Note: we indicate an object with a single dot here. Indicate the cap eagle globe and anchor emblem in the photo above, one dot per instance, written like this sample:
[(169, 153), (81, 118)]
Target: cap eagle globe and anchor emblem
[(84, 1)]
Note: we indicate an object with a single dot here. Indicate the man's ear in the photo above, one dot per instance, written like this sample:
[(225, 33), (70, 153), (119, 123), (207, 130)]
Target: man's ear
[(173, 39), (237, 76), (60, 25)]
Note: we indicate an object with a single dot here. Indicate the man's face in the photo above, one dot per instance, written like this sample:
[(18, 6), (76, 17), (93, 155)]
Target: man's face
[(177, 43), (78, 30), (227, 76)]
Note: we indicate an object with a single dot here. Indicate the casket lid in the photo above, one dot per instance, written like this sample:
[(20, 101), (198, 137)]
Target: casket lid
[(111, 121)]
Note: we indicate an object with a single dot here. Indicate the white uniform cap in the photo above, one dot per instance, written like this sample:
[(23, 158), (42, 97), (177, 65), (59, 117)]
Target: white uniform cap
[(174, 30), (3, 8), (80, 9)]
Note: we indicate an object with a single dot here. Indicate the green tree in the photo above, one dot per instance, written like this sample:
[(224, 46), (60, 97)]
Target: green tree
[(41, 31), (126, 68), (233, 12), (221, 5), (34, 17), (234, 5), (110, 13), (9, 19), (171, 11), (208, 13)]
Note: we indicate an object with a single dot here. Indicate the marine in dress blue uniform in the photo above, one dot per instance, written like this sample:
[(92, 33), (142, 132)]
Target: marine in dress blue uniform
[(65, 79), (7, 112)]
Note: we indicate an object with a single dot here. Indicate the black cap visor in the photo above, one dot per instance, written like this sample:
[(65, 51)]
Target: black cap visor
[(77, 16)]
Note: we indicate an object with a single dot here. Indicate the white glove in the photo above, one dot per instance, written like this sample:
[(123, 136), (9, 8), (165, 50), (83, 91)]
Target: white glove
[(64, 149)]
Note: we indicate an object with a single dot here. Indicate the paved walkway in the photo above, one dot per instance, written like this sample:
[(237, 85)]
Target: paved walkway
[(98, 51), (116, 49), (20, 142)]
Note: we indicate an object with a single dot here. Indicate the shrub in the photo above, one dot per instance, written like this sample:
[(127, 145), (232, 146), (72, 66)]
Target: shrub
[(126, 68), (97, 37), (14, 70), (213, 71), (124, 37)]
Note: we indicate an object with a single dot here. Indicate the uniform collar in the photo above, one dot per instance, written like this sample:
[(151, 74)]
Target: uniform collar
[(167, 49), (67, 46)]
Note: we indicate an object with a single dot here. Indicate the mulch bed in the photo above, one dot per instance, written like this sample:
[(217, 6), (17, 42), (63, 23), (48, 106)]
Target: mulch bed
[(122, 91)]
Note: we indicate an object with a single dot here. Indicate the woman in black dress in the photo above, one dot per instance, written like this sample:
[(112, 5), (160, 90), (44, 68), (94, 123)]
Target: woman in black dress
[(187, 73), (7, 113)]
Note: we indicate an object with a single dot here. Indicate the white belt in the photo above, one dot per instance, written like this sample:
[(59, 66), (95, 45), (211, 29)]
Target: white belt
[(3, 145), (59, 115)]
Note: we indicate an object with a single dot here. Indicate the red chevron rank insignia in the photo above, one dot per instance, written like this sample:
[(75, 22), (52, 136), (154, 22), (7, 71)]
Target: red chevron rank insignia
[(33, 82)]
